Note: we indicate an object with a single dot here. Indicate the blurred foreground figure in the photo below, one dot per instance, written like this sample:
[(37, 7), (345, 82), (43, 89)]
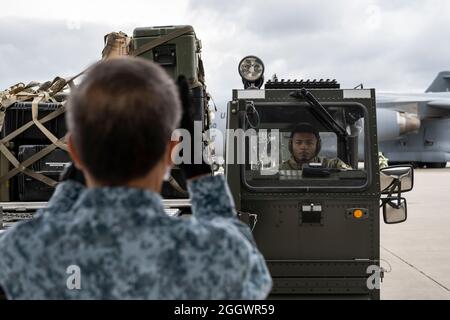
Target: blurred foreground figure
[(111, 238)]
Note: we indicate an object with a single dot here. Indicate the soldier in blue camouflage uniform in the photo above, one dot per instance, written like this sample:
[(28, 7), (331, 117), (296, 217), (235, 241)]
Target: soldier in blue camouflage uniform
[(112, 239), (304, 146)]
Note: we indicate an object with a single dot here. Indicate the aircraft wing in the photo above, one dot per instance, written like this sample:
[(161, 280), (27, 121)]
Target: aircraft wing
[(441, 104), (401, 102), (400, 98), (410, 102)]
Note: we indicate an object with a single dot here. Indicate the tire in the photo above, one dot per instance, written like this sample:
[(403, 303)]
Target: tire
[(436, 165), (420, 165)]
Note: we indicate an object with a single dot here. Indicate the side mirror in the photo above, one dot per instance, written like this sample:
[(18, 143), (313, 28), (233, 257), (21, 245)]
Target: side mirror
[(394, 210), (396, 179)]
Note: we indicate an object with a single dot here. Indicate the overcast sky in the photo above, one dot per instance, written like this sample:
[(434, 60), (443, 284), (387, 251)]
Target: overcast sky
[(392, 45)]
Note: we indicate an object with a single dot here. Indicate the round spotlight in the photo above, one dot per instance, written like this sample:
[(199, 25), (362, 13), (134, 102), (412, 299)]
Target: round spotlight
[(251, 70)]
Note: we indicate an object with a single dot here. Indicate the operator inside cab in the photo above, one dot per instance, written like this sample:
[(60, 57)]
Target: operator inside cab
[(304, 146)]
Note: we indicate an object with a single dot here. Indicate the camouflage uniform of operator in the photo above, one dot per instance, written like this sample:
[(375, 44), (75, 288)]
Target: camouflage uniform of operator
[(114, 229), (304, 146)]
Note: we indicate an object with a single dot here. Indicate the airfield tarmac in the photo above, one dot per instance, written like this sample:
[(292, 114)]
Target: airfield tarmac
[(418, 250)]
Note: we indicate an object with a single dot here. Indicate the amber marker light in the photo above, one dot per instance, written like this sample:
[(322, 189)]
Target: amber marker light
[(357, 213)]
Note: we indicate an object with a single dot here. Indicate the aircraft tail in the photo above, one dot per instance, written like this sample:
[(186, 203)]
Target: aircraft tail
[(441, 83)]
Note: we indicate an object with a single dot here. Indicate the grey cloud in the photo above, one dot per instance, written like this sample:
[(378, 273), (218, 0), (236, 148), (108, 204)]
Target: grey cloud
[(389, 45), (40, 50), (276, 18)]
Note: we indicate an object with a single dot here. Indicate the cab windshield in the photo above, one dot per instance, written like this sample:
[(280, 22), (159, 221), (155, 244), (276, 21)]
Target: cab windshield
[(288, 146)]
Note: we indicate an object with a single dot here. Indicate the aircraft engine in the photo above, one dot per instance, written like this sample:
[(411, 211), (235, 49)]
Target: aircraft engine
[(393, 124)]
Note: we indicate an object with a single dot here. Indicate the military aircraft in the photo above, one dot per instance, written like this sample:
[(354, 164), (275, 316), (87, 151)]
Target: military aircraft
[(415, 127)]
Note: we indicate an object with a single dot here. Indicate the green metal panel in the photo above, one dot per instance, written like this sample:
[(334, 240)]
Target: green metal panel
[(185, 48)]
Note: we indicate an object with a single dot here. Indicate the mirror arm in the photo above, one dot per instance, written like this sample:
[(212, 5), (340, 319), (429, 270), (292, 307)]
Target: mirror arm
[(384, 201), (389, 186), (396, 183), (399, 190)]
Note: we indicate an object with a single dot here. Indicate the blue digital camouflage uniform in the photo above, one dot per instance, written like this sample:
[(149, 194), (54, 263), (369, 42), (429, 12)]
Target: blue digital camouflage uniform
[(126, 247)]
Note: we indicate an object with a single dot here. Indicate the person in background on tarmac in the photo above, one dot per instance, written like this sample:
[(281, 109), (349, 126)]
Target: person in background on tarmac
[(112, 239), (383, 161), (304, 147)]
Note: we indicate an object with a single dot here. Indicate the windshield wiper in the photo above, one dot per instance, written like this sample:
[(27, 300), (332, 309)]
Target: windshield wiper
[(319, 111)]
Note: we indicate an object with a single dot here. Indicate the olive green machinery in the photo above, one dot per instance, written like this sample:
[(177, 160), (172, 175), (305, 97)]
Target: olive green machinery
[(317, 227), (178, 50)]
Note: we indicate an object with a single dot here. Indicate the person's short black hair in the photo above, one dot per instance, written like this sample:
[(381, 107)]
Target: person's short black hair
[(121, 118), (304, 127)]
